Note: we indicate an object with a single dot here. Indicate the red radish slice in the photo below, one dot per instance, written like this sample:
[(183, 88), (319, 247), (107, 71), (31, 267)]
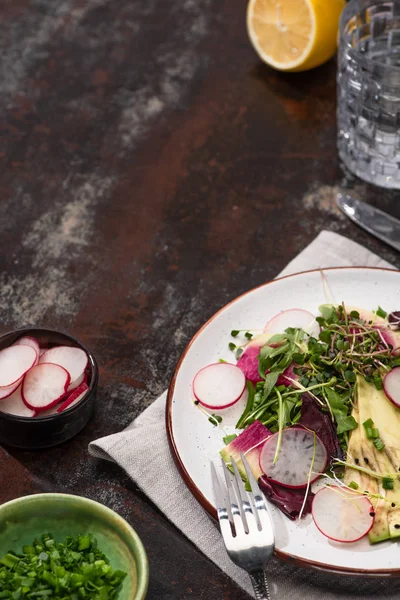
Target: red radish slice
[(5, 392), (14, 405), (219, 385), (28, 340), (301, 451), (75, 384), (44, 385), (295, 317), (74, 360), (341, 514), (15, 361), (74, 398), (391, 386)]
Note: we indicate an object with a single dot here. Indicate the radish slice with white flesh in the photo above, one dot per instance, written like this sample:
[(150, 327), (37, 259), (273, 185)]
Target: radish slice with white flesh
[(44, 385), (302, 457), (75, 397), (74, 360), (15, 361), (391, 386), (28, 340), (14, 405), (341, 514), (296, 318), (5, 392), (219, 385)]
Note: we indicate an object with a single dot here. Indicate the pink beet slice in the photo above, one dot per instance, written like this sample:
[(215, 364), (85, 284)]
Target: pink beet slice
[(74, 360), (248, 363), (249, 443), (14, 405), (75, 397), (15, 361), (28, 340), (44, 385)]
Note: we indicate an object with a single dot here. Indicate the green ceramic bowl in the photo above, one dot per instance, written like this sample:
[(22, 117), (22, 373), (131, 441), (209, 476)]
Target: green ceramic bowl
[(24, 519)]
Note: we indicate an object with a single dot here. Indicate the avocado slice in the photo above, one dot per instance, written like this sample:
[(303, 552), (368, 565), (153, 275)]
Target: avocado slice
[(386, 418), (372, 403)]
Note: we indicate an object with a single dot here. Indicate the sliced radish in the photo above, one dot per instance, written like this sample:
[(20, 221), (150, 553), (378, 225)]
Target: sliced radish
[(74, 398), (74, 360), (296, 318), (15, 361), (301, 451), (5, 392), (219, 385), (341, 514), (391, 386), (28, 340), (393, 338), (44, 385), (14, 405), (75, 384)]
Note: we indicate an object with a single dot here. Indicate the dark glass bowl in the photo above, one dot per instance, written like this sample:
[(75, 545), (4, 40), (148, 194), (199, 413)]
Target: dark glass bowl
[(30, 433)]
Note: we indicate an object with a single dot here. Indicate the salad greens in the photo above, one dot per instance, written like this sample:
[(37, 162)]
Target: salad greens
[(293, 363), (73, 570)]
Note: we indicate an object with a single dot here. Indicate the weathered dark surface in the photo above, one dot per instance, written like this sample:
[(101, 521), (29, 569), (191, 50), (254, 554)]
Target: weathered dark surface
[(151, 170)]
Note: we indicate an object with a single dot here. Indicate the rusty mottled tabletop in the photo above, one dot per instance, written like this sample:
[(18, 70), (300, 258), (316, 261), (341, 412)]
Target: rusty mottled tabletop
[(151, 169)]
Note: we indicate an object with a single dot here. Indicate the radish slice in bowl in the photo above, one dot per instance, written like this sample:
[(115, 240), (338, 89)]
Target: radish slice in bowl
[(296, 318), (74, 360), (14, 405), (302, 457), (15, 361), (342, 514), (44, 385), (27, 340), (219, 385), (5, 392)]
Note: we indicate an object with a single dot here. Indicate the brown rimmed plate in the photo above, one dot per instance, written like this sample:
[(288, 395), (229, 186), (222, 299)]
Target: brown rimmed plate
[(195, 442)]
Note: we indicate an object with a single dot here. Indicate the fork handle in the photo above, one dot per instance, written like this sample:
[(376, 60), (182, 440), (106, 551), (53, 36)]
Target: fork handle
[(260, 585)]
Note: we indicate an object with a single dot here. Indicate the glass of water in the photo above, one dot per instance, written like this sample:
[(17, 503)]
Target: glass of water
[(369, 90)]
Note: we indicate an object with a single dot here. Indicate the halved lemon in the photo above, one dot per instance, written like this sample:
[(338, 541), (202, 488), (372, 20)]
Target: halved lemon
[(294, 35)]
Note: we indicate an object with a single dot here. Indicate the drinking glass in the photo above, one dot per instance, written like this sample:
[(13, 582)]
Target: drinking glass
[(369, 90)]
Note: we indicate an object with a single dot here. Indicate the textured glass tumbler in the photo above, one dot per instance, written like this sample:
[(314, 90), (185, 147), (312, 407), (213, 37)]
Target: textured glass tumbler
[(369, 90)]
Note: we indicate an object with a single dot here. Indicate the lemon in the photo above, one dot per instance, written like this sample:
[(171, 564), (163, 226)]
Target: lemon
[(294, 35)]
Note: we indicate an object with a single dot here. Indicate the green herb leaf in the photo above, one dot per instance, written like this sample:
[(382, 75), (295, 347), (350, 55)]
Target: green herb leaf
[(345, 423), (235, 332), (229, 438), (248, 335), (215, 420), (232, 346), (350, 376)]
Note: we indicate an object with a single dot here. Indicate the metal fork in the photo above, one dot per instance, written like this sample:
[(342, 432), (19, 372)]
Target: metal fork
[(246, 525)]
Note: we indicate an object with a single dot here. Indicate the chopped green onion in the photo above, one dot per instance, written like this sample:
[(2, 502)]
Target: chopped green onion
[(378, 443), (381, 313), (353, 485), (368, 423), (387, 483)]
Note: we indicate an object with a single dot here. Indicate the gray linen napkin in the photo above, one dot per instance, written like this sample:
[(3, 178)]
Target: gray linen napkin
[(142, 450)]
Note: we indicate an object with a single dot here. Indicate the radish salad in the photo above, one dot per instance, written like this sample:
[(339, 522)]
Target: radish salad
[(321, 401)]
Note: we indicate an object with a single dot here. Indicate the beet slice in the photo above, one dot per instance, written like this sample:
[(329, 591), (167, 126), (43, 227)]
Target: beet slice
[(313, 418), (289, 501)]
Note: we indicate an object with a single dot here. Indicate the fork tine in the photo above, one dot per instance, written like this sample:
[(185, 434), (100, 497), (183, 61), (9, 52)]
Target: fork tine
[(252, 480), (241, 495), (235, 502), (263, 515), (222, 510)]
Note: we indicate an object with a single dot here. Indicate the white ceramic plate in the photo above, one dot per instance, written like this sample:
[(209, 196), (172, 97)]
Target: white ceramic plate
[(195, 442)]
